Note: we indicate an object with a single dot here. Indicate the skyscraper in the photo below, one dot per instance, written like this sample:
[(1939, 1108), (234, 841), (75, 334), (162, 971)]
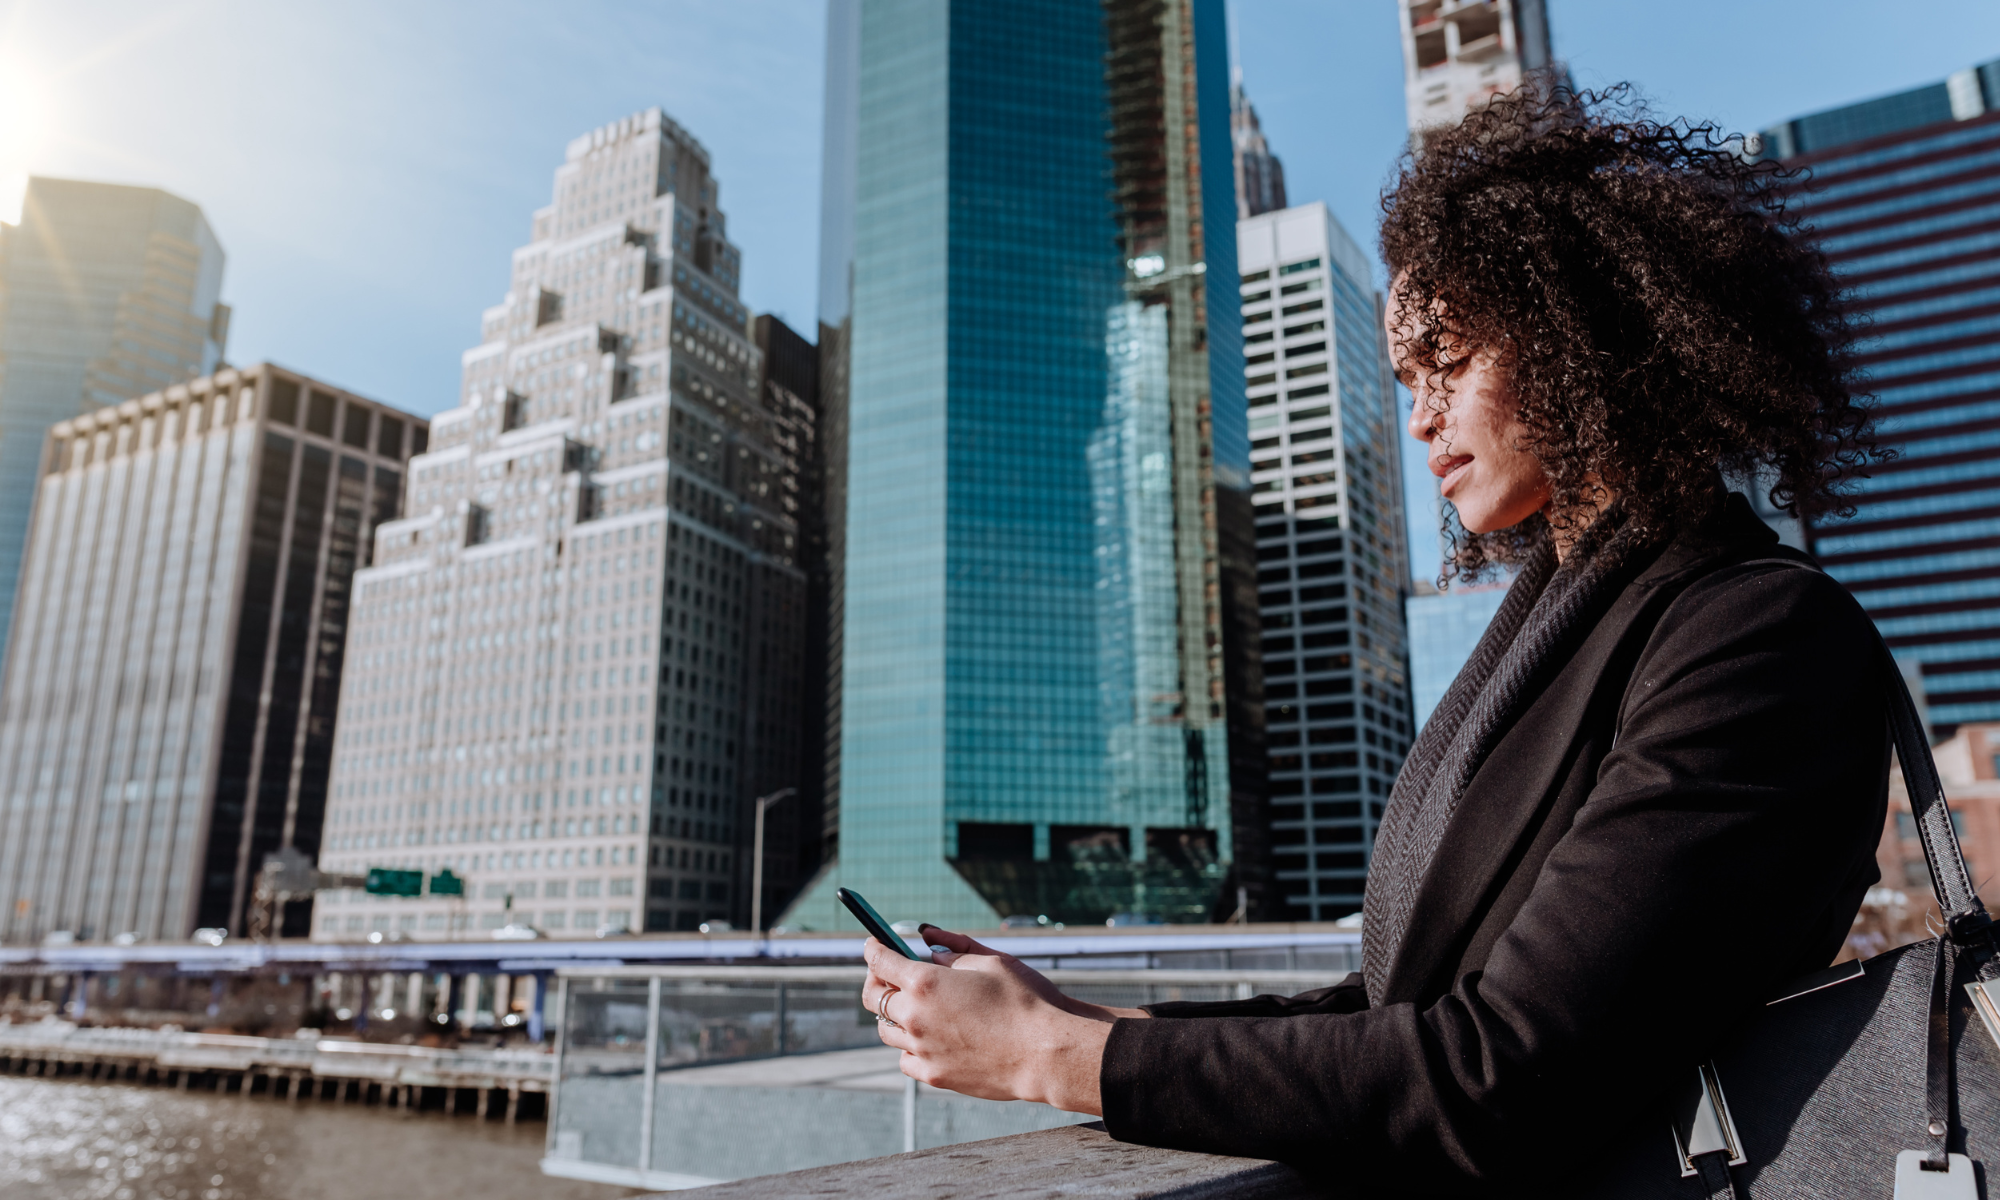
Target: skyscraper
[(788, 386), (1260, 177), (168, 710), (1050, 700), (838, 164), (1457, 56), (1331, 566), (1901, 197), (578, 661), (106, 293), (1444, 630)]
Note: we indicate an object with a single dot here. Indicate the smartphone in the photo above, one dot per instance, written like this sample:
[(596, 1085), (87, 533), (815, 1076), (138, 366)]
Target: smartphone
[(877, 928)]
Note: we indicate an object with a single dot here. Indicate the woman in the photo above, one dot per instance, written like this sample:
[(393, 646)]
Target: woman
[(1653, 794)]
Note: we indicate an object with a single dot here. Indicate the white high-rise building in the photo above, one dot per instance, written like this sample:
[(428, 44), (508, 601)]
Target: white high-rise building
[(1327, 489), (1457, 54), (167, 709), (565, 665)]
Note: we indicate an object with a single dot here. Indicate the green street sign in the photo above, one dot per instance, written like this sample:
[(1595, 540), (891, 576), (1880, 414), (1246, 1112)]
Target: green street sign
[(444, 883), (386, 881)]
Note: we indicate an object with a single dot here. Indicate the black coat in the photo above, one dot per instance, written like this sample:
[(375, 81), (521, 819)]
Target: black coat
[(1684, 820)]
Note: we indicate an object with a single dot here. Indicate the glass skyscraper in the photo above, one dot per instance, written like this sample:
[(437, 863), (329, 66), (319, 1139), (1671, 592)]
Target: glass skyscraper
[(1445, 628), (1050, 698), (1903, 197), (106, 293)]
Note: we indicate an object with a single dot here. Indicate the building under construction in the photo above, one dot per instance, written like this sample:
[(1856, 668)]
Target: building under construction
[(1458, 54)]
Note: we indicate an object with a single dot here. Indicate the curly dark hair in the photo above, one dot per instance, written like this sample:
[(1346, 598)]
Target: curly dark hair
[(1649, 293)]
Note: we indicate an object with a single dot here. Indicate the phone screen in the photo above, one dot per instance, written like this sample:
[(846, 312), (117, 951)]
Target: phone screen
[(872, 921)]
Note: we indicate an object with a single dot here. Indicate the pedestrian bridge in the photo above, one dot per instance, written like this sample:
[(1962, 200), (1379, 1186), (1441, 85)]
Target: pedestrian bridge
[(1301, 946), (389, 988)]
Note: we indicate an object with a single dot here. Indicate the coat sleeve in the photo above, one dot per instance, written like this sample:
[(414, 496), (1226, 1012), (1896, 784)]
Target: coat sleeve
[(1349, 995), (1733, 814)]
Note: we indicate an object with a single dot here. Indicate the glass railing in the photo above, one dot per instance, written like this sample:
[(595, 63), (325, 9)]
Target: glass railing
[(805, 1081), (621, 1031)]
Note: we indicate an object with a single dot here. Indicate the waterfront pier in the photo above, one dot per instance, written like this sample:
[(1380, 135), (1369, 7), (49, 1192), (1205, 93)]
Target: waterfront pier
[(487, 1080)]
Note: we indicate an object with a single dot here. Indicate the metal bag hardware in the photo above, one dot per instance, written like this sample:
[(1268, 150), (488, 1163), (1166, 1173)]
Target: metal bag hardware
[(1915, 1183), (1986, 1002), (1704, 1125), (1819, 981)]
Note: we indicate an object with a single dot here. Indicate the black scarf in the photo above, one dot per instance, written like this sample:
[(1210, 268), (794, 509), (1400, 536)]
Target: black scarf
[(1547, 613)]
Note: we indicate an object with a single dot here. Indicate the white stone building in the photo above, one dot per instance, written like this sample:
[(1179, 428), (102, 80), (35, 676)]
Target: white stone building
[(562, 663)]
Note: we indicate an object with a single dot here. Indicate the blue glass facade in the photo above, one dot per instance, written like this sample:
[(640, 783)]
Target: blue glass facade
[(1042, 426), (1904, 196), (1444, 630)]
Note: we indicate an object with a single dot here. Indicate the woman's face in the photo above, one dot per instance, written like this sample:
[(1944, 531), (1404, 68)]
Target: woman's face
[(1477, 444)]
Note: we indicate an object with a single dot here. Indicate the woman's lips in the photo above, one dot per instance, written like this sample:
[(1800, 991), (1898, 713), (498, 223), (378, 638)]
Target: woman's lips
[(1449, 471)]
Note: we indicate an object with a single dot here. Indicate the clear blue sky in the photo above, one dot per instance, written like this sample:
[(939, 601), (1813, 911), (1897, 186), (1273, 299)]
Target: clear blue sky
[(369, 165)]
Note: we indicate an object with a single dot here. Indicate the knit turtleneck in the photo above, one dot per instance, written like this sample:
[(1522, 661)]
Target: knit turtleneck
[(1546, 615)]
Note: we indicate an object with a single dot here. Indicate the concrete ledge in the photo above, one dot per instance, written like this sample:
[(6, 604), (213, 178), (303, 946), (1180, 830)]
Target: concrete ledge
[(1071, 1161)]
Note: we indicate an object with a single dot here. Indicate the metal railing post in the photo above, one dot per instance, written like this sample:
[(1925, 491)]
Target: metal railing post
[(652, 1071), (757, 859), (781, 1019), (556, 1075), (536, 1025)]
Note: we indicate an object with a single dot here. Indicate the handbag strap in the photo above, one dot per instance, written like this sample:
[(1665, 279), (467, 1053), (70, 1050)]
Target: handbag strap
[(1967, 927), (1949, 879)]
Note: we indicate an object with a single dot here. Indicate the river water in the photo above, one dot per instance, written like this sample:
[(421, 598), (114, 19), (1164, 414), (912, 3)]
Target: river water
[(62, 1140)]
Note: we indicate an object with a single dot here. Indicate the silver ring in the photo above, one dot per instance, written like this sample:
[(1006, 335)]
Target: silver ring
[(882, 1011)]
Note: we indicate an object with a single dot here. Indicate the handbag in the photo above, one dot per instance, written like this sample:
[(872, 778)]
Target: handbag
[(1877, 1078)]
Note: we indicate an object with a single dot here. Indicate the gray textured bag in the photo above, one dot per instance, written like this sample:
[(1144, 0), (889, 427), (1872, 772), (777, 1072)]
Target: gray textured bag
[(1870, 1079)]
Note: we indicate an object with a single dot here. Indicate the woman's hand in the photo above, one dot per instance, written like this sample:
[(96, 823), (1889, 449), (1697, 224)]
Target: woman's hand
[(960, 945), (981, 1023)]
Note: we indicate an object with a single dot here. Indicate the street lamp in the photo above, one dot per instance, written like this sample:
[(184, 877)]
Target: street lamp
[(757, 859)]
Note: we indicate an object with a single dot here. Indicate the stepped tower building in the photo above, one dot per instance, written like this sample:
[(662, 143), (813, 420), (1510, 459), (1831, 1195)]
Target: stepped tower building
[(578, 659)]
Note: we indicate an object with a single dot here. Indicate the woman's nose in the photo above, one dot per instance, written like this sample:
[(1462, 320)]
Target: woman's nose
[(1423, 422)]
